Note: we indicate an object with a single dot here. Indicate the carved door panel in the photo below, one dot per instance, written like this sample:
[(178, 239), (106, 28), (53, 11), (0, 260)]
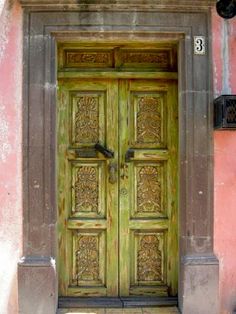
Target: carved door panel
[(148, 188), (88, 188), (117, 213)]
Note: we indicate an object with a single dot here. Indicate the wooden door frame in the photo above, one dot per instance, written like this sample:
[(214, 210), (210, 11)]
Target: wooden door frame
[(198, 275)]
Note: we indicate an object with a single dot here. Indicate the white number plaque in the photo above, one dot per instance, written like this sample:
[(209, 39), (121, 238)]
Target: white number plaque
[(199, 45)]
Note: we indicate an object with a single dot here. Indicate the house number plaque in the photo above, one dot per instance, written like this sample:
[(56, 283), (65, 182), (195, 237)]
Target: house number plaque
[(199, 45)]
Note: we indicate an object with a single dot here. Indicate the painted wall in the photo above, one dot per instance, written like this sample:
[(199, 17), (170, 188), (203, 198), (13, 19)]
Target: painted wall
[(224, 62), (10, 152)]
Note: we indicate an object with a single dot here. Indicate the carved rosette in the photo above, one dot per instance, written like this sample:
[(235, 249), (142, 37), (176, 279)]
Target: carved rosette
[(148, 189), (87, 120), (149, 120), (149, 259), (86, 189), (87, 259)]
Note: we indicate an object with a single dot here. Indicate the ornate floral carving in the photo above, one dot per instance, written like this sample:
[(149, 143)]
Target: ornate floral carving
[(86, 120), (149, 259), (84, 58), (148, 120), (87, 259), (86, 189), (161, 59), (148, 189)]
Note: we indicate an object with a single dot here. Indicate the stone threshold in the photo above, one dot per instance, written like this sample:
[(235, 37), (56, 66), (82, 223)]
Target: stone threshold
[(156, 310)]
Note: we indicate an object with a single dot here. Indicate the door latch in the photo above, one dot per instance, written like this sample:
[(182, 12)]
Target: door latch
[(103, 150)]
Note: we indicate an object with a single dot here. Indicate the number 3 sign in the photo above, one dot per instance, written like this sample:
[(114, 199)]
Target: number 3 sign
[(199, 45)]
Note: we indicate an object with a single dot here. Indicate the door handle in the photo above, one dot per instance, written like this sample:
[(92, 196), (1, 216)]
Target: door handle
[(112, 168), (105, 151), (129, 154), (124, 170)]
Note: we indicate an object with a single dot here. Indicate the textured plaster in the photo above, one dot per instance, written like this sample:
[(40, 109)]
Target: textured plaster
[(224, 64), (5, 15), (10, 152)]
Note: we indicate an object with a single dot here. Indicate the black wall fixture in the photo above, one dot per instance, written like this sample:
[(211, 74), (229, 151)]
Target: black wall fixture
[(226, 8), (225, 112)]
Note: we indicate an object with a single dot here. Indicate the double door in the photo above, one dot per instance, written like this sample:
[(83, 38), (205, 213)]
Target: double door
[(117, 187)]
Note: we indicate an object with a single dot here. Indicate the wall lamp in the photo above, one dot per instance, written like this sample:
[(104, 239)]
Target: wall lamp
[(226, 8)]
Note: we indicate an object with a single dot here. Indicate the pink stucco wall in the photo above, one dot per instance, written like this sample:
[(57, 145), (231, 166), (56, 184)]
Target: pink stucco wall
[(10, 152), (224, 64)]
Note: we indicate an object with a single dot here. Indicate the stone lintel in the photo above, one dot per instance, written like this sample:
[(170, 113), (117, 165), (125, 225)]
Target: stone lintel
[(119, 5)]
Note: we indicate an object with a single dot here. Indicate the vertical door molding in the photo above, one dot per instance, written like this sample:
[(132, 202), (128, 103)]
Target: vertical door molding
[(198, 279)]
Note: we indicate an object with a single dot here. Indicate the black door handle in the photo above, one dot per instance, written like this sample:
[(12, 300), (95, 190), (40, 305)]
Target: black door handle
[(129, 154), (106, 152)]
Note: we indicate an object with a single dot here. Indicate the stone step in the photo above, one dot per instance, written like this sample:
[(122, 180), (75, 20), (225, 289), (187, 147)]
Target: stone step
[(156, 310)]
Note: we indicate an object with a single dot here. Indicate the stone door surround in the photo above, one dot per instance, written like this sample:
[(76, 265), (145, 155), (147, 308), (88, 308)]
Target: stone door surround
[(44, 26)]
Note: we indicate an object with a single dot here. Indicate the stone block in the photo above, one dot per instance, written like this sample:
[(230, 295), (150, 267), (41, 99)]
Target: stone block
[(37, 286)]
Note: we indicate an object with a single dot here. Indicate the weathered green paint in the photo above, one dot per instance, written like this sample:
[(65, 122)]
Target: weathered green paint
[(104, 225), (118, 227), (132, 224), (116, 75)]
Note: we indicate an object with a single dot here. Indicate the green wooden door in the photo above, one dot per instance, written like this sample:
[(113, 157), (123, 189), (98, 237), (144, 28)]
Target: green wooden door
[(117, 209), (148, 188)]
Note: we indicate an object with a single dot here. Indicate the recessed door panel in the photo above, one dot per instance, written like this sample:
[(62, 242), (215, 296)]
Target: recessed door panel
[(88, 117), (148, 117), (149, 184)]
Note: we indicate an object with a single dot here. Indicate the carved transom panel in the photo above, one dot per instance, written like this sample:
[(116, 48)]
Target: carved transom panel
[(149, 120), (86, 189), (88, 58), (160, 59), (149, 189), (149, 258), (155, 58), (87, 258), (86, 120)]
